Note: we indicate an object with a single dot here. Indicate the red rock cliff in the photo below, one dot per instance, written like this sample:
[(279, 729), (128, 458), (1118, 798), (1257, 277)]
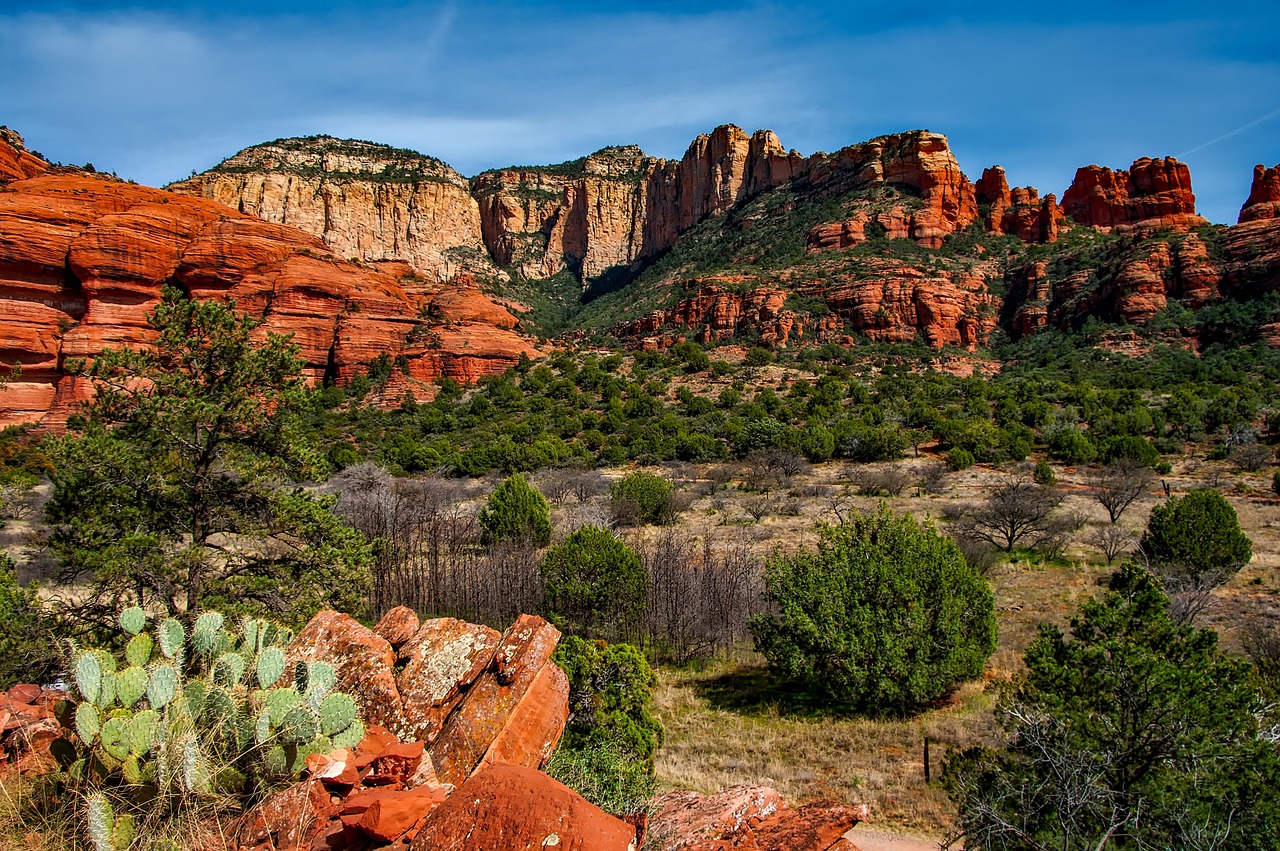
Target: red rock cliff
[(83, 259), (1264, 195), (1151, 194)]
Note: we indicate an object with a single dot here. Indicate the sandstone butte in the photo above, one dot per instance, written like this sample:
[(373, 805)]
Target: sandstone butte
[(83, 259), (473, 715), (1264, 196)]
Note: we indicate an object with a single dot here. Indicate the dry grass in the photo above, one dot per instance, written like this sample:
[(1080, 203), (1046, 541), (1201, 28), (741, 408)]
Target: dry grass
[(719, 734), (725, 726)]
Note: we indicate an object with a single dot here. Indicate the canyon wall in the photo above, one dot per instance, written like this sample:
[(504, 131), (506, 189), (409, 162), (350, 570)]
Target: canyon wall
[(83, 259)]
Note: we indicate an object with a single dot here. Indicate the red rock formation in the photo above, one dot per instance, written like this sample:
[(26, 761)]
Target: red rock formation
[(1018, 212), (605, 211), (364, 661), (1264, 195), (837, 236), (894, 302), (518, 809), (444, 658), (1152, 194), (887, 300), (496, 701), (1139, 278), (28, 728), (716, 313), (83, 259), (16, 162), (585, 216), (751, 817), (398, 626), (1251, 258), (473, 696)]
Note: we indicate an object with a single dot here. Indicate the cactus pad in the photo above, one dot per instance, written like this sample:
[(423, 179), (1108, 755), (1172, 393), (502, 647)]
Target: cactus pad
[(270, 667), (139, 649), (131, 685), (162, 684), (280, 701), (107, 691), (321, 678), (276, 762), (102, 821), (124, 832), (88, 723), (249, 629), (133, 620), (142, 732), (89, 676), (228, 670), (301, 676), (220, 708), (193, 774), (206, 633), (114, 737), (172, 635), (299, 726), (351, 737), (262, 727), (337, 711), (131, 768)]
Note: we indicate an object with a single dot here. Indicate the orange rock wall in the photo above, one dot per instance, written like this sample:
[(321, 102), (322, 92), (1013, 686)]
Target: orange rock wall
[(1264, 196), (83, 259), (1153, 193)]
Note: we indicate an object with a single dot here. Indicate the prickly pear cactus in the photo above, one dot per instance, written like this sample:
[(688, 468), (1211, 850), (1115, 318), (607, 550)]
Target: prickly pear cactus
[(209, 712)]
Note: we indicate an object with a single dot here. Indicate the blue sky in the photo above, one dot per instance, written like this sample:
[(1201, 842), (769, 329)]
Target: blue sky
[(155, 91)]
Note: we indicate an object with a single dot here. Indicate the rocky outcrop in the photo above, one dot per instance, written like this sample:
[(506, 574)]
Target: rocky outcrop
[(1264, 195), (601, 213), (83, 260), (585, 216), (473, 697), (366, 202), (1135, 280), (518, 809), (1251, 258), (1018, 212), (888, 301), (1152, 194), (942, 200), (752, 817), (724, 306), (28, 728), (16, 162)]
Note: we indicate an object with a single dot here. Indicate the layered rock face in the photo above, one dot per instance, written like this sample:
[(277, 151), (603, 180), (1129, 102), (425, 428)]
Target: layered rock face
[(889, 301), (1152, 194), (1264, 195), (585, 216), (1018, 212), (589, 216), (366, 202), (83, 260)]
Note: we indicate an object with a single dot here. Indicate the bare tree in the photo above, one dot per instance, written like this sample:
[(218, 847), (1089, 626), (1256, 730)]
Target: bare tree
[(1262, 645), (1119, 484), (1015, 513), (700, 597), (1113, 541), (1190, 592), (878, 479), (1249, 457), (933, 476)]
